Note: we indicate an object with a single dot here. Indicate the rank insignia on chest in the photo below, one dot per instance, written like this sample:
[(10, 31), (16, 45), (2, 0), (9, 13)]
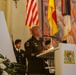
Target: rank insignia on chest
[(36, 44), (22, 55), (27, 44)]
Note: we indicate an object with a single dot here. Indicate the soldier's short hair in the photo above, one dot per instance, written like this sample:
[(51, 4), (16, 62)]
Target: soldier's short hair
[(17, 41), (34, 29)]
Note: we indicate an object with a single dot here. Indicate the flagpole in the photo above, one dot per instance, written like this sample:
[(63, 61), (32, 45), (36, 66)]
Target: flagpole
[(51, 30), (42, 18), (50, 24)]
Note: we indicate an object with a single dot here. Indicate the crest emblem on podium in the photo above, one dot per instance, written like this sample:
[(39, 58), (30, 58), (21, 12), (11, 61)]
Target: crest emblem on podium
[(69, 57)]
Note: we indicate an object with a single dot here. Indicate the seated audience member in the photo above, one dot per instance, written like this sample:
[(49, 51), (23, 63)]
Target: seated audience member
[(48, 44), (19, 54), (64, 41)]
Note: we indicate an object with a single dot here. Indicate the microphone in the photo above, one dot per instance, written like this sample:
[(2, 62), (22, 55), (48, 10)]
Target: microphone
[(53, 37), (47, 36)]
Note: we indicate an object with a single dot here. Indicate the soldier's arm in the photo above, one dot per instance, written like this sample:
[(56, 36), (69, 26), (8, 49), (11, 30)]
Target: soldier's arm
[(29, 49)]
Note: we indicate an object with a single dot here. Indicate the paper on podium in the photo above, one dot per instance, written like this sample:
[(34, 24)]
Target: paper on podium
[(47, 54)]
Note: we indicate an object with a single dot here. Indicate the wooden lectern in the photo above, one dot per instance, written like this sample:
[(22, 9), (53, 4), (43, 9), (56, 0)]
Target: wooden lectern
[(64, 58)]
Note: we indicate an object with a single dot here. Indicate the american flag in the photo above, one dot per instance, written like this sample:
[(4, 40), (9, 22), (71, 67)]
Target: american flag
[(32, 13)]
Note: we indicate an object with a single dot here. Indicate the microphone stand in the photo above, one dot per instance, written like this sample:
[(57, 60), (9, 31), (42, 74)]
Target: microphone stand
[(52, 37), (57, 39)]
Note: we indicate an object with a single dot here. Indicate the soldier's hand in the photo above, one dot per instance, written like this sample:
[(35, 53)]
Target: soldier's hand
[(43, 51)]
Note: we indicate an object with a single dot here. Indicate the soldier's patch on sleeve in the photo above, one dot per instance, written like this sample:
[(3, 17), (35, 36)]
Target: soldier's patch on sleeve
[(27, 44)]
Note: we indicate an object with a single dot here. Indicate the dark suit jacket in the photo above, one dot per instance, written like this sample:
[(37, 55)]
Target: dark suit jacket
[(20, 56), (34, 47)]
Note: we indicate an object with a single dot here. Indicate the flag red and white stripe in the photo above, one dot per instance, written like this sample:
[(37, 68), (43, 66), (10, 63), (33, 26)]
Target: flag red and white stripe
[(32, 13)]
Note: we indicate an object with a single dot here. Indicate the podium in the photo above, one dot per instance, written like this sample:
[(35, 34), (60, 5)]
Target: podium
[(64, 58)]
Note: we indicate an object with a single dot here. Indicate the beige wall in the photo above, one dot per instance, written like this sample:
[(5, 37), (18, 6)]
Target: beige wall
[(18, 29), (15, 18), (3, 6)]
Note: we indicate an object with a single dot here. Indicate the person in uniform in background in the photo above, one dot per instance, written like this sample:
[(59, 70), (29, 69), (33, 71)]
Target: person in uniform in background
[(34, 46), (48, 44), (19, 54)]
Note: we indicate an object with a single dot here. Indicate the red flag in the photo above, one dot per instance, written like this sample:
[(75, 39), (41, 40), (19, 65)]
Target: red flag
[(31, 13)]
